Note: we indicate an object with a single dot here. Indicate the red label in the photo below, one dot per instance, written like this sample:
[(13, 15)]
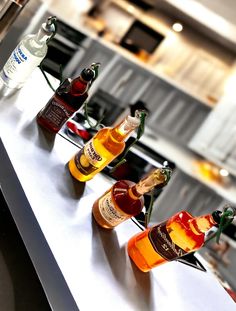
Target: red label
[(162, 243)]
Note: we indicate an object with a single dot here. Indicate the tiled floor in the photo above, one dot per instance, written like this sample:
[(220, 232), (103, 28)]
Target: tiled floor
[(20, 288)]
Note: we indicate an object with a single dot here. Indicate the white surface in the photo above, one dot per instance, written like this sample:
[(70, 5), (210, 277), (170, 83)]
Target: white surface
[(93, 262)]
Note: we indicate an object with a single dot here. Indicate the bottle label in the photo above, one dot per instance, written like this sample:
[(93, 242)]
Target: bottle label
[(109, 212), (91, 153), (20, 64), (87, 159), (56, 113), (162, 243)]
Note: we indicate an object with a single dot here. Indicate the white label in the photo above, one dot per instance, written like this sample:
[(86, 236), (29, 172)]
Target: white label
[(20, 64), (109, 212)]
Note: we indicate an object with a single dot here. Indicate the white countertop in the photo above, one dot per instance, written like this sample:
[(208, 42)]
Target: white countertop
[(79, 264)]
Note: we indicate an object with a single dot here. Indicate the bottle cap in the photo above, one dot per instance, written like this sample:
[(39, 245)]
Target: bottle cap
[(95, 68), (49, 28), (87, 74), (138, 105), (217, 216), (229, 212), (223, 219), (167, 172), (135, 121)]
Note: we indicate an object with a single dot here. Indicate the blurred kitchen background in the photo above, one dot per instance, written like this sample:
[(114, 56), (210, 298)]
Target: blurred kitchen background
[(179, 58)]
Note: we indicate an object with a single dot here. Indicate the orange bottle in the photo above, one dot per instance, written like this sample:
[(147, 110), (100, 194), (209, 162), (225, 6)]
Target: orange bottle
[(174, 238)]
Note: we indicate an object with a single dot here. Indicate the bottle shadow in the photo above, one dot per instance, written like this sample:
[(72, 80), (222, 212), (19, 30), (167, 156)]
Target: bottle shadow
[(46, 139), (59, 174), (42, 138), (75, 186), (65, 183), (135, 284)]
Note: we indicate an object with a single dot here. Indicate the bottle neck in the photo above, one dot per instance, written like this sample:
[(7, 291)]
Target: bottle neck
[(133, 193), (123, 130), (157, 178), (46, 31), (41, 38), (79, 86), (201, 224)]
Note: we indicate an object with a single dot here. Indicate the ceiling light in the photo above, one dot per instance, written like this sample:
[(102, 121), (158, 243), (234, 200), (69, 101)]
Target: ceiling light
[(177, 27)]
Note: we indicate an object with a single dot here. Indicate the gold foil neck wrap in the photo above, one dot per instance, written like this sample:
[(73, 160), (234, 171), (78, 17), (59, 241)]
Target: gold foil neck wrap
[(158, 177)]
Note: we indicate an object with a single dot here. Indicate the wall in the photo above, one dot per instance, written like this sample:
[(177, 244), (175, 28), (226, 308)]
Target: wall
[(195, 62)]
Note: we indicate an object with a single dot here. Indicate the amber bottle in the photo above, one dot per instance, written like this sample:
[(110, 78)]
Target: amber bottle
[(68, 98), (102, 149), (125, 198), (179, 235)]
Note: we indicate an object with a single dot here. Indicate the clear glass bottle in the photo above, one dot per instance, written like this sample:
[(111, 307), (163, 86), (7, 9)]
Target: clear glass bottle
[(179, 235), (102, 149), (125, 198), (27, 56), (68, 98)]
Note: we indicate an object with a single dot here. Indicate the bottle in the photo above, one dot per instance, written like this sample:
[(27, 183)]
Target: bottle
[(125, 198), (179, 235), (8, 14), (68, 98), (104, 147), (27, 56)]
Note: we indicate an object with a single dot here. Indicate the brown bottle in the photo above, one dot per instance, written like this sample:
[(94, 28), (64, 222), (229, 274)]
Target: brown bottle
[(68, 98), (125, 198)]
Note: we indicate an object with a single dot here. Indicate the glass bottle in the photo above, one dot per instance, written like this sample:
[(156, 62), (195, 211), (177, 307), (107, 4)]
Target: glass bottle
[(102, 149), (125, 198), (179, 235), (27, 56), (68, 98)]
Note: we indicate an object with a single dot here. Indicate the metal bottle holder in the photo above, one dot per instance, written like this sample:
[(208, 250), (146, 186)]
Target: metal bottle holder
[(191, 261)]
